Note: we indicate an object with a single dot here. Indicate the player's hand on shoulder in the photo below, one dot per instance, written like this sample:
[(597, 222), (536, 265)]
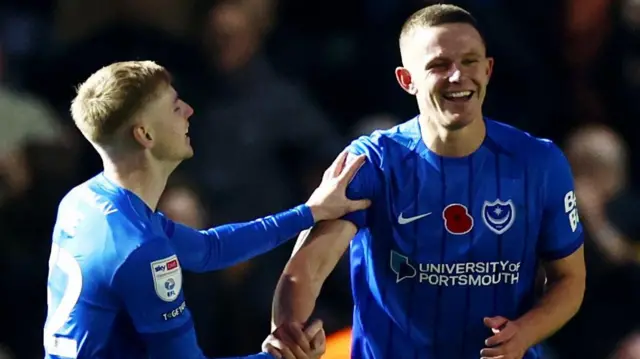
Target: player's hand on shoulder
[(507, 342), (329, 200), (290, 341)]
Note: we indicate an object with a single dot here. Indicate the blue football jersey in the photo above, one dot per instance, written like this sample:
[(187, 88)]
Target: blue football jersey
[(115, 273), (449, 241)]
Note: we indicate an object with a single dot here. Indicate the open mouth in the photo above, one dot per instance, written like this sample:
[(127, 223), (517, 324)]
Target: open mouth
[(458, 96)]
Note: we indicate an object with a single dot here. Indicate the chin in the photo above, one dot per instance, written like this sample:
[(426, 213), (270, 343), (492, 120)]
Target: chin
[(457, 121), (188, 155)]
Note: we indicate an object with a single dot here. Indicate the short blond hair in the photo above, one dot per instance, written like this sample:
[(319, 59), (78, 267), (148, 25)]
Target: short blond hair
[(113, 95)]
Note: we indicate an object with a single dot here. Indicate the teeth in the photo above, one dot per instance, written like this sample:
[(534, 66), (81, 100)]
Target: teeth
[(458, 94)]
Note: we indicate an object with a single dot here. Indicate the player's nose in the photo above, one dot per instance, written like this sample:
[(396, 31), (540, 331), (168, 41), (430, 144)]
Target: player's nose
[(188, 110), (455, 75)]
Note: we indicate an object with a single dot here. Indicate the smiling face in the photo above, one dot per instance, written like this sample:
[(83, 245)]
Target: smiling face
[(163, 127), (446, 68)]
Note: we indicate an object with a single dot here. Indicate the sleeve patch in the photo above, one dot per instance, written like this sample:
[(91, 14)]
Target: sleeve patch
[(167, 278), (175, 312)]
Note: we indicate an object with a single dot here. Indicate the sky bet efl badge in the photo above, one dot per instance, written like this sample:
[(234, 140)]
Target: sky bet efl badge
[(167, 278)]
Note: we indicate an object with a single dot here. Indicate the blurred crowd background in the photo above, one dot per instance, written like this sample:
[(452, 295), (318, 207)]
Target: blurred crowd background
[(279, 87)]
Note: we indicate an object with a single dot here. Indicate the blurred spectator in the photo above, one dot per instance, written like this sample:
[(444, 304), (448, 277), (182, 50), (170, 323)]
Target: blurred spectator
[(599, 160), (260, 141), (261, 145), (183, 204), (607, 209), (32, 179), (76, 20), (93, 34), (25, 120)]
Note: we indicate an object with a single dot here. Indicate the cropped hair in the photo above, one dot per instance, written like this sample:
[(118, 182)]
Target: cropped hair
[(112, 96)]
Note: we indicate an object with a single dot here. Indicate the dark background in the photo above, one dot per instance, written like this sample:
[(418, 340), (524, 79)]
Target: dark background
[(279, 88)]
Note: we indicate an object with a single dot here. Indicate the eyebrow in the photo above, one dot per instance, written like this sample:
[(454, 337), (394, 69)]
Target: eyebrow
[(440, 57), (471, 53)]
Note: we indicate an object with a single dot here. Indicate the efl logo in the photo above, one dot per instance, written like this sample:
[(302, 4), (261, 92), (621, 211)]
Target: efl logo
[(167, 278)]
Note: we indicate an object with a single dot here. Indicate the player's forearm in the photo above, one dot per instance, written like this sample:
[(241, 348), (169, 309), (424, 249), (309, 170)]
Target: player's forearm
[(558, 305), (294, 299), (234, 243), (314, 257)]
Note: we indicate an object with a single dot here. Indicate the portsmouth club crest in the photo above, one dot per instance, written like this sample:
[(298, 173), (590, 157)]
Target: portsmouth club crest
[(498, 215)]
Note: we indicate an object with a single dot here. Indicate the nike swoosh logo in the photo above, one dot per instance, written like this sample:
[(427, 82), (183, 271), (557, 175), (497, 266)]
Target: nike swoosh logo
[(406, 220)]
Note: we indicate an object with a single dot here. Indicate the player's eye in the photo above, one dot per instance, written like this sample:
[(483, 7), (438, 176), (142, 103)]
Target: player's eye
[(468, 62), (177, 109)]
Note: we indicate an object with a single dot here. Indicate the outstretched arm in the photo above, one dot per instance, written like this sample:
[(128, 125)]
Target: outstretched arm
[(224, 246)]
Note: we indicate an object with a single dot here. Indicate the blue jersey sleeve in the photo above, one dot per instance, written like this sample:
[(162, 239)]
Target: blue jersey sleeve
[(561, 232), (365, 183), (149, 284), (226, 245)]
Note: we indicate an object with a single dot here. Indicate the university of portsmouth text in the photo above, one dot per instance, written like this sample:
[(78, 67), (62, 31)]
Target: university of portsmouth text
[(469, 273)]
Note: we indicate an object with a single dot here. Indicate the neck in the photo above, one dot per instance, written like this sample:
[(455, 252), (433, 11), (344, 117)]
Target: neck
[(456, 143), (140, 176)]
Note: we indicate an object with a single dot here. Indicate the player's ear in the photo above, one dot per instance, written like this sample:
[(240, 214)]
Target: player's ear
[(142, 136), (489, 67), (404, 80)]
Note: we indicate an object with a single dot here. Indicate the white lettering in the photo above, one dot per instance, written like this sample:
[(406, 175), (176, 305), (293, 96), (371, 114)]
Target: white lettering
[(574, 219), (571, 209), (477, 274), (175, 313), (569, 201)]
